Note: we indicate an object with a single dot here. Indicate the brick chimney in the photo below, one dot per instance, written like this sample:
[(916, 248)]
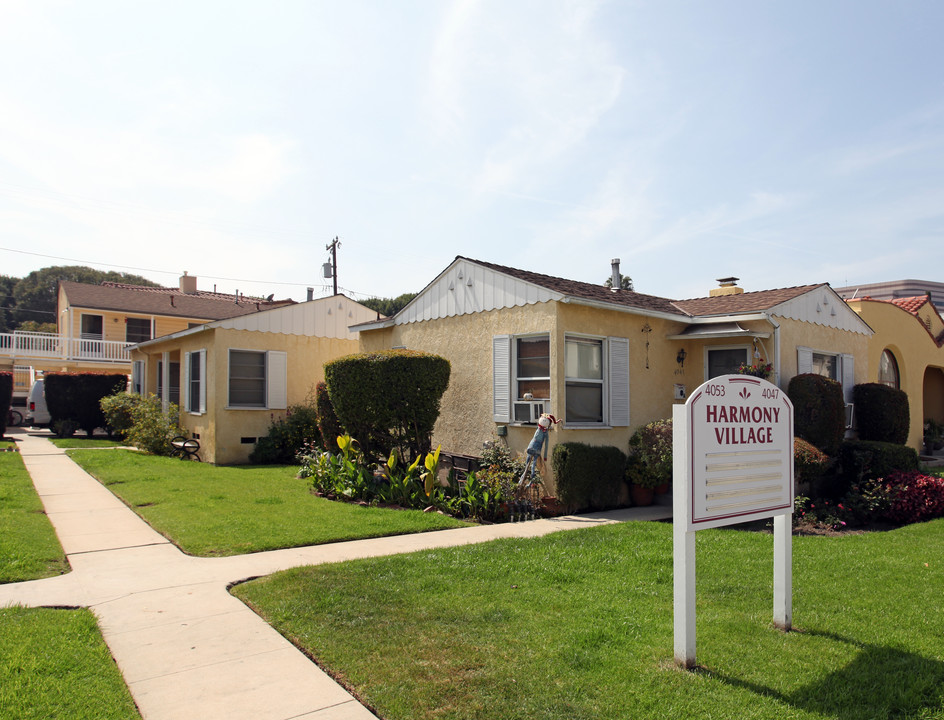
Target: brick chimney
[(188, 284), (728, 286)]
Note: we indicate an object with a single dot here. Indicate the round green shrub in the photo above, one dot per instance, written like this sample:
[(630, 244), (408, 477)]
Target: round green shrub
[(388, 399), (650, 455), (882, 413), (588, 476), (819, 411)]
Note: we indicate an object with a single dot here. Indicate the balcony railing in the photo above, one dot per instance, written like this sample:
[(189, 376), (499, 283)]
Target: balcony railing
[(26, 345)]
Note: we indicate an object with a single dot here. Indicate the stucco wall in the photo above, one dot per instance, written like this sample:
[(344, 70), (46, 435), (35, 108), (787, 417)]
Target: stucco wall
[(795, 334), (916, 352)]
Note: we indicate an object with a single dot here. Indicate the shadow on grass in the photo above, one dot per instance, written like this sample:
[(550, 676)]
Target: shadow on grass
[(880, 682)]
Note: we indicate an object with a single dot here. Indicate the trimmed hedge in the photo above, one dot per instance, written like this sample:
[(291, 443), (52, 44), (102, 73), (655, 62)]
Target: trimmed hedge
[(6, 397), (869, 459), (76, 397), (588, 476), (328, 424), (819, 411), (882, 413), (388, 399)]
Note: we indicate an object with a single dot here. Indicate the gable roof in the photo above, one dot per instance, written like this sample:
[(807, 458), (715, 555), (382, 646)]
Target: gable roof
[(747, 302), (586, 291), (137, 299), (471, 286)]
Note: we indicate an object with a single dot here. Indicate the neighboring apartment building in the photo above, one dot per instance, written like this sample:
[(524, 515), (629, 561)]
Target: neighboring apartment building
[(97, 324), (895, 290), (604, 361), (233, 378)]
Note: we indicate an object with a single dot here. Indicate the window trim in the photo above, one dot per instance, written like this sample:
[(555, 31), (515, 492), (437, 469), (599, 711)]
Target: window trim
[(150, 328), (188, 382), (602, 381), (895, 366), (230, 405), (274, 380), (516, 380)]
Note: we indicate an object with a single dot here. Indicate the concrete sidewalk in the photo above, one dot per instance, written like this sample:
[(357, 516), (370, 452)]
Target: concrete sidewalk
[(186, 647)]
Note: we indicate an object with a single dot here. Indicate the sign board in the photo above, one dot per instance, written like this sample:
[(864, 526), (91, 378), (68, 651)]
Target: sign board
[(732, 463), (740, 431)]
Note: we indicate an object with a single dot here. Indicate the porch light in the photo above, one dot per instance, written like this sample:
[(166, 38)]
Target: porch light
[(680, 358)]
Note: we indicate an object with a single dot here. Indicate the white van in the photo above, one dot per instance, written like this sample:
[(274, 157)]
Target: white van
[(37, 415)]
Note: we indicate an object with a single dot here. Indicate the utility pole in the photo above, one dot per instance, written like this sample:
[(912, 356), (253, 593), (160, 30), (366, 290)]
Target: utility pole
[(333, 248)]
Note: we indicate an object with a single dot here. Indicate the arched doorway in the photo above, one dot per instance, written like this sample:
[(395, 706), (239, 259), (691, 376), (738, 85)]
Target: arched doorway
[(933, 399)]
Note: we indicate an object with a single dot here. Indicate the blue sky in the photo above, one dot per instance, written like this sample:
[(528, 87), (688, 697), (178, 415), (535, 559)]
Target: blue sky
[(784, 143)]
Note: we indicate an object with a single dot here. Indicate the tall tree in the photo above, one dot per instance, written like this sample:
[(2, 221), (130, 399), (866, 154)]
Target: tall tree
[(35, 295), (7, 302), (389, 306)]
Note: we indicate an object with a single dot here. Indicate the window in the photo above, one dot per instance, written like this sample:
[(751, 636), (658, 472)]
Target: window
[(247, 381), (257, 379), (583, 373), (888, 370), (195, 382), (173, 381), (92, 327), (725, 360), (825, 365), (137, 377), (595, 377), (137, 329), (533, 367)]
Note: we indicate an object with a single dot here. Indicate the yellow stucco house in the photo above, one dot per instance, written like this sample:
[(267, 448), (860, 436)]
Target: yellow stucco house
[(232, 378), (907, 352), (97, 323), (604, 361)]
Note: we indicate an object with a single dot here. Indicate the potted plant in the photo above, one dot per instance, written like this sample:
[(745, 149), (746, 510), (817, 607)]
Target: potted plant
[(649, 468), (933, 435)]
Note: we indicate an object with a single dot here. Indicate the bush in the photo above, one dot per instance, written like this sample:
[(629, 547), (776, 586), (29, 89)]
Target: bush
[(819, 411), (288, 437), (882, 413), (77, 397), (388, 399), (328, 424), (809, 462), (6, 397), (863, 459), (118, 410), (153, 429), (650, 455), (588, 476), (914, 497)]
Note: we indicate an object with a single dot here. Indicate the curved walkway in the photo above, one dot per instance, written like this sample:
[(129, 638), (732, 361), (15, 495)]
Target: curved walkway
[(186, 647)]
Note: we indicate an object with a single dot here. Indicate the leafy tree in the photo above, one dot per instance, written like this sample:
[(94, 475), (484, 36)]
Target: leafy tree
[(7, 302), (42, 327), (626, 282), (35, 295), (389, 306)]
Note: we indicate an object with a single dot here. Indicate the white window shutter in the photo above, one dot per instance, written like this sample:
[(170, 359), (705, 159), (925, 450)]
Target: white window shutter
[(618, 376), (848, 377), (501, 378), (203, 381), (804, 361), (185, 390), (276, 380)]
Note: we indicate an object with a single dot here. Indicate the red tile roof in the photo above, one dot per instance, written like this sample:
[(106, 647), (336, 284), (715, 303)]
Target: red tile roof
[(911, 304), (137, 299)]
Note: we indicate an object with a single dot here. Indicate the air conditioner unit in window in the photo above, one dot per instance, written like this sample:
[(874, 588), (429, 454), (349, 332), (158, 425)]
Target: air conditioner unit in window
[(527, 411)]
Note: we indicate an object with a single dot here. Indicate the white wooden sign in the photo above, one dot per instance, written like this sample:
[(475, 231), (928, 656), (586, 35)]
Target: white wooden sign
[(732, 463)]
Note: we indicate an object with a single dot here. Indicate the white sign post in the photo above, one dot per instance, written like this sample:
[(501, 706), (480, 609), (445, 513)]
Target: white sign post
[(732, 463)]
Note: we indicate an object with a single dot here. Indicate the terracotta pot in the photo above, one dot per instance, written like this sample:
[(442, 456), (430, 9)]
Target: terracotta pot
[(551, 507), (662, 489), (641, 496)]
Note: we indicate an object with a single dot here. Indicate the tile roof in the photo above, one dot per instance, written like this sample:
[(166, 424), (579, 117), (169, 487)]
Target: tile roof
[(171, 302), (742, 302), (696, 307), (911, 304), (586, 291)]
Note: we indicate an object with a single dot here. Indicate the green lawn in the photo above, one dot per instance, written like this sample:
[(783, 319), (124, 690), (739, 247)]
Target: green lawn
[(208, 510), (579, 625), (78, 443), (29, 548), (54, 664)]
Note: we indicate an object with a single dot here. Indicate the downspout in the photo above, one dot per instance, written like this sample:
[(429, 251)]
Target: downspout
[(776, 326)]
